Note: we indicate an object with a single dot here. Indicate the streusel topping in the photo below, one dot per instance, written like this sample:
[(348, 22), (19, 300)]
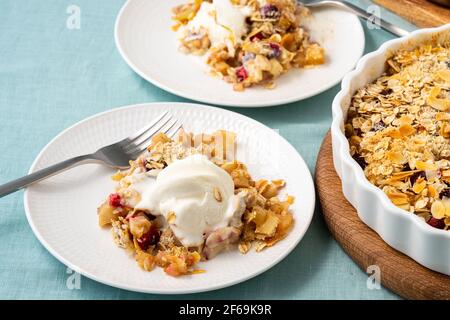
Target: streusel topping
[(398, 128)]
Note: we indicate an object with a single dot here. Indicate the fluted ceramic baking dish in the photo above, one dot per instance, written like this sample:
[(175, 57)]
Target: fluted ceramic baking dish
[(403, 231)]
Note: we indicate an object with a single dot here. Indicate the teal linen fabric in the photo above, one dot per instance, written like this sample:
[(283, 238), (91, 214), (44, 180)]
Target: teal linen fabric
[(51, 77)]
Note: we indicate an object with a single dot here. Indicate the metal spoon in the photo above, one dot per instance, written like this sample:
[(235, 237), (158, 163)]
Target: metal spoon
[(358, 11)]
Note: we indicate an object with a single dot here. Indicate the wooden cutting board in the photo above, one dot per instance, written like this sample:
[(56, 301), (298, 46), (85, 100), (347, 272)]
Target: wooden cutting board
[(422, 13), (399, 273)]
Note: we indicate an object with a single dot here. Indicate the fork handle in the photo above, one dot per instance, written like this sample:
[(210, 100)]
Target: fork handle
[(42, 174), (367, 16)]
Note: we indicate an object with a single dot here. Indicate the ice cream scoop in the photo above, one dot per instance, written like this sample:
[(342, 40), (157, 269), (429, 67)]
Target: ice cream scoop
[(223, 22), (194, 195)]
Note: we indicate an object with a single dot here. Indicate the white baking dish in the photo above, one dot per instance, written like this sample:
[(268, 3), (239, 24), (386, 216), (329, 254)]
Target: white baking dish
[(403, 231)]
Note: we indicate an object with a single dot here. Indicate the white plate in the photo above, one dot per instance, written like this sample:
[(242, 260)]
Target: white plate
[(149, 46), (62, 210)]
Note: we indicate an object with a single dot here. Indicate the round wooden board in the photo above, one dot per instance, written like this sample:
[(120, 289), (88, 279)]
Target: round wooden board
[(399, 273)]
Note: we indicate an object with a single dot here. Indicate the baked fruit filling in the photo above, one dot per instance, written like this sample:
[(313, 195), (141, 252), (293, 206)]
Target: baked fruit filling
[(247, 42), (187, 199)]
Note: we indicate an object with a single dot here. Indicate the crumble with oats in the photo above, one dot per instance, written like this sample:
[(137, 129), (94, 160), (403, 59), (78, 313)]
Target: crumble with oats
[(398, 129), (259, 218), (247, 42)]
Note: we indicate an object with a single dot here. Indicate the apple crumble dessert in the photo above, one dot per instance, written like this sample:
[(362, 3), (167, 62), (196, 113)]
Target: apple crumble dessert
[(398, 129), (247, 42), (187, 199)]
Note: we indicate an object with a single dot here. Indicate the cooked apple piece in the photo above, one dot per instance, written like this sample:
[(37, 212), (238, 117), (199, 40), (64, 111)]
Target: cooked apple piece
[(106, 214)]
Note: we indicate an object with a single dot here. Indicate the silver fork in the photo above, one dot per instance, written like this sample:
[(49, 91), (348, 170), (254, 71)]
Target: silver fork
[(116, 155), (356, 10)]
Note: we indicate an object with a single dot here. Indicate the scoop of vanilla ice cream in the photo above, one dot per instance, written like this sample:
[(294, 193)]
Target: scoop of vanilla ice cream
[(224, 23), (194, 195)]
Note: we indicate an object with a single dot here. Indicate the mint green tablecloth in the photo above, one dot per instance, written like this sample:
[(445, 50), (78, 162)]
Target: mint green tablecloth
[(52, 77)]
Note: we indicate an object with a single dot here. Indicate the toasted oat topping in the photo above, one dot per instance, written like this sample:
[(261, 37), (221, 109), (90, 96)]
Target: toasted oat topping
[(398, 128)]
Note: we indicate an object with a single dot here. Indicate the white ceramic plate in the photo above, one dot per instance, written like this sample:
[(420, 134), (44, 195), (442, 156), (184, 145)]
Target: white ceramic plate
[(62, 210), (149, 46)]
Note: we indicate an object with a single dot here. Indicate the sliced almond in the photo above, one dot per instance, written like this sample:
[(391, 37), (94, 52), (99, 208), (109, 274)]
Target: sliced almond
[(290, 199), (426, 166), (442, 116), (435, 102), (117, 176), (244, 246), (419, 185), (395, 157), (438, 209), (398, 198), (444, 75), (171, 217), (217, 195), (279, 183), (432, 192), (406, 130)]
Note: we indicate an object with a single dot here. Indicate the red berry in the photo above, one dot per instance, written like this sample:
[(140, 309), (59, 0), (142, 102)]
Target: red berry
[(360, 160), (445, 193), (150, 238), (276, 51), (436, 223), (241, 73), (416, 175), (115, 200), (256, 37)]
